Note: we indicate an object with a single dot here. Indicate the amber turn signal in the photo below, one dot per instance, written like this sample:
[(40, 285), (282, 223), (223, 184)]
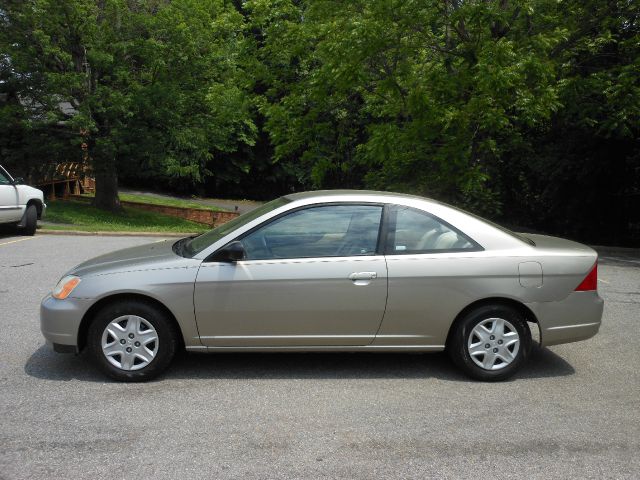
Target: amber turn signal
[(65, 287)]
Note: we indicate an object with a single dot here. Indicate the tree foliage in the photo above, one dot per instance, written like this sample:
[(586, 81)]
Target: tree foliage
[(156, 84), (523, 111)]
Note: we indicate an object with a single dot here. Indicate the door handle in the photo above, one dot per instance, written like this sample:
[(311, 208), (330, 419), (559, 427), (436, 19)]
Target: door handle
[(363, 276)]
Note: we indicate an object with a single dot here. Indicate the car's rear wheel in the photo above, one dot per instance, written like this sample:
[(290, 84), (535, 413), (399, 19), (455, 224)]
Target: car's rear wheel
[(490, 343), (31, 221), (132, 340)]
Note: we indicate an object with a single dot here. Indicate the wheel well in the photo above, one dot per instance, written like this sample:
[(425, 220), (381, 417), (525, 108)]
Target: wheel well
[(90, 314), (509, 302), (38, 204)]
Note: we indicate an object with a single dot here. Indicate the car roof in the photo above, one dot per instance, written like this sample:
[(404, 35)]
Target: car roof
[(489, 236), (354, 193)]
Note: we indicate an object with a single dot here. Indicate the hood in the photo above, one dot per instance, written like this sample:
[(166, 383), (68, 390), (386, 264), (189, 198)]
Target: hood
[(143, 257), (26, 193)]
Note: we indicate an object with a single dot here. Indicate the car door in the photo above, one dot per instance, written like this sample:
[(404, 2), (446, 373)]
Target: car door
[(9, 209), (311, 277), (432, 273)]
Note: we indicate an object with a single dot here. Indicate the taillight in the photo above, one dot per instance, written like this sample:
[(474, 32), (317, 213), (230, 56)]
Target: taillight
[(590, 282)]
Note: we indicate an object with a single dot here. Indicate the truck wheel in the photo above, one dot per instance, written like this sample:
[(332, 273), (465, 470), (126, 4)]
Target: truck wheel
[(31, 221)]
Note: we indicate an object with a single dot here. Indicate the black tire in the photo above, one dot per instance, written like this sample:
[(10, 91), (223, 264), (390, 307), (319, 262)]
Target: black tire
[(458, 346), (31, 221), (167, 336)]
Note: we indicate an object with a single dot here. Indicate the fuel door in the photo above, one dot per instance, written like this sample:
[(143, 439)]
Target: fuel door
[(530, 274)]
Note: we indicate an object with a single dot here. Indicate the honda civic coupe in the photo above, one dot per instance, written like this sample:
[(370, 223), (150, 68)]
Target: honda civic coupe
[(331, 271)]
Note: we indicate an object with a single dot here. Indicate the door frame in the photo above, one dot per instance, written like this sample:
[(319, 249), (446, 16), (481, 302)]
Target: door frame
[(10, 213)]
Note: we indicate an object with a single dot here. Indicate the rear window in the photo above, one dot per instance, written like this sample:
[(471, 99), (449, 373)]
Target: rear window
[(515, 235)]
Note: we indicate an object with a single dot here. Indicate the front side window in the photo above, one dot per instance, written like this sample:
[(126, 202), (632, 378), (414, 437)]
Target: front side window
[(196, 245), (415, 231), (323, 231)]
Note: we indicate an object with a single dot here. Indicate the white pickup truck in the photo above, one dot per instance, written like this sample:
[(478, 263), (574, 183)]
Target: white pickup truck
[(20, 205)]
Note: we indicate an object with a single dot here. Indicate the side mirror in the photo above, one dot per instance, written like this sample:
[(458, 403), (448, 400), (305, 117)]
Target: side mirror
[(230, 253), (18, 181)]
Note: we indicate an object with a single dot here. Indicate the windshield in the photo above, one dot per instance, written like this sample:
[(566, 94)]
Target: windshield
[(197, 244)]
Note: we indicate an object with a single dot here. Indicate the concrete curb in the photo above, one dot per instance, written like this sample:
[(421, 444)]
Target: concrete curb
[(114, 234)]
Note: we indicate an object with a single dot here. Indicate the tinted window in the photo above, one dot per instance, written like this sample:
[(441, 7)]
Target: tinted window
[(414, 231), (196, 245), (520, 237), (325, 231), (3, 179)]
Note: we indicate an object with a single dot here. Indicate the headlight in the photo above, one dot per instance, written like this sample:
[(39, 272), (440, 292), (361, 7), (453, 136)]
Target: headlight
[(65, 286)]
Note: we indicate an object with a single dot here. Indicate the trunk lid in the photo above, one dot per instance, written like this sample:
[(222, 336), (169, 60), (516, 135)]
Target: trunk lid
[(560, 246)]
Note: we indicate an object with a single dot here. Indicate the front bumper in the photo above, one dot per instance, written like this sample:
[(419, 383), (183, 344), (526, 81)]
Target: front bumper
[(60, 321), (575, 318)]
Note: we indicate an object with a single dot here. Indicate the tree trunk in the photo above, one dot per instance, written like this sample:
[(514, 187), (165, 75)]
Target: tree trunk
[(106, 172), (107, 192)]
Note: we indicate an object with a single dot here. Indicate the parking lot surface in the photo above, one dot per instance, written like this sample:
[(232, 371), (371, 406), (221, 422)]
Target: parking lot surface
[(573, 412)]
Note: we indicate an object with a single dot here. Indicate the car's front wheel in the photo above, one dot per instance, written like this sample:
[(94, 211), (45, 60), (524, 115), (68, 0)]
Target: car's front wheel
[(30, 221), (132, 340), (490, 343)]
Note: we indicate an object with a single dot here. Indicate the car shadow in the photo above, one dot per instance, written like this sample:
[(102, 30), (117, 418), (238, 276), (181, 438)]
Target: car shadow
[(11, 231), (8, 231), (46, 364)]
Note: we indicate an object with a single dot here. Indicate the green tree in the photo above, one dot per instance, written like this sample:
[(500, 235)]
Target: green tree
[(527, 111), (155, 83), (579, 173), (425, 97)]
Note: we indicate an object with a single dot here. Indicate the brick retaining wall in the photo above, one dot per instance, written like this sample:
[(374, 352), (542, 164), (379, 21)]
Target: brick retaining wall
[(198, 215)]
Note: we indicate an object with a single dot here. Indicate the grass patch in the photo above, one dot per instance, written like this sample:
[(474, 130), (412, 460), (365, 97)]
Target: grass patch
[(72, 215), (167, 202)]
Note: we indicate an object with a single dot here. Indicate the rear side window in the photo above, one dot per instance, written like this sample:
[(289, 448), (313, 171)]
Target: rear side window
[(414, 231)]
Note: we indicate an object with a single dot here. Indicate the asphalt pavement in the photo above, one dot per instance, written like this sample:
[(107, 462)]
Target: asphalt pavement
[(573, 412)]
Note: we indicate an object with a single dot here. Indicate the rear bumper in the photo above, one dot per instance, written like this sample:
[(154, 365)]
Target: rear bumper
[(60, 321), (575, 318)]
